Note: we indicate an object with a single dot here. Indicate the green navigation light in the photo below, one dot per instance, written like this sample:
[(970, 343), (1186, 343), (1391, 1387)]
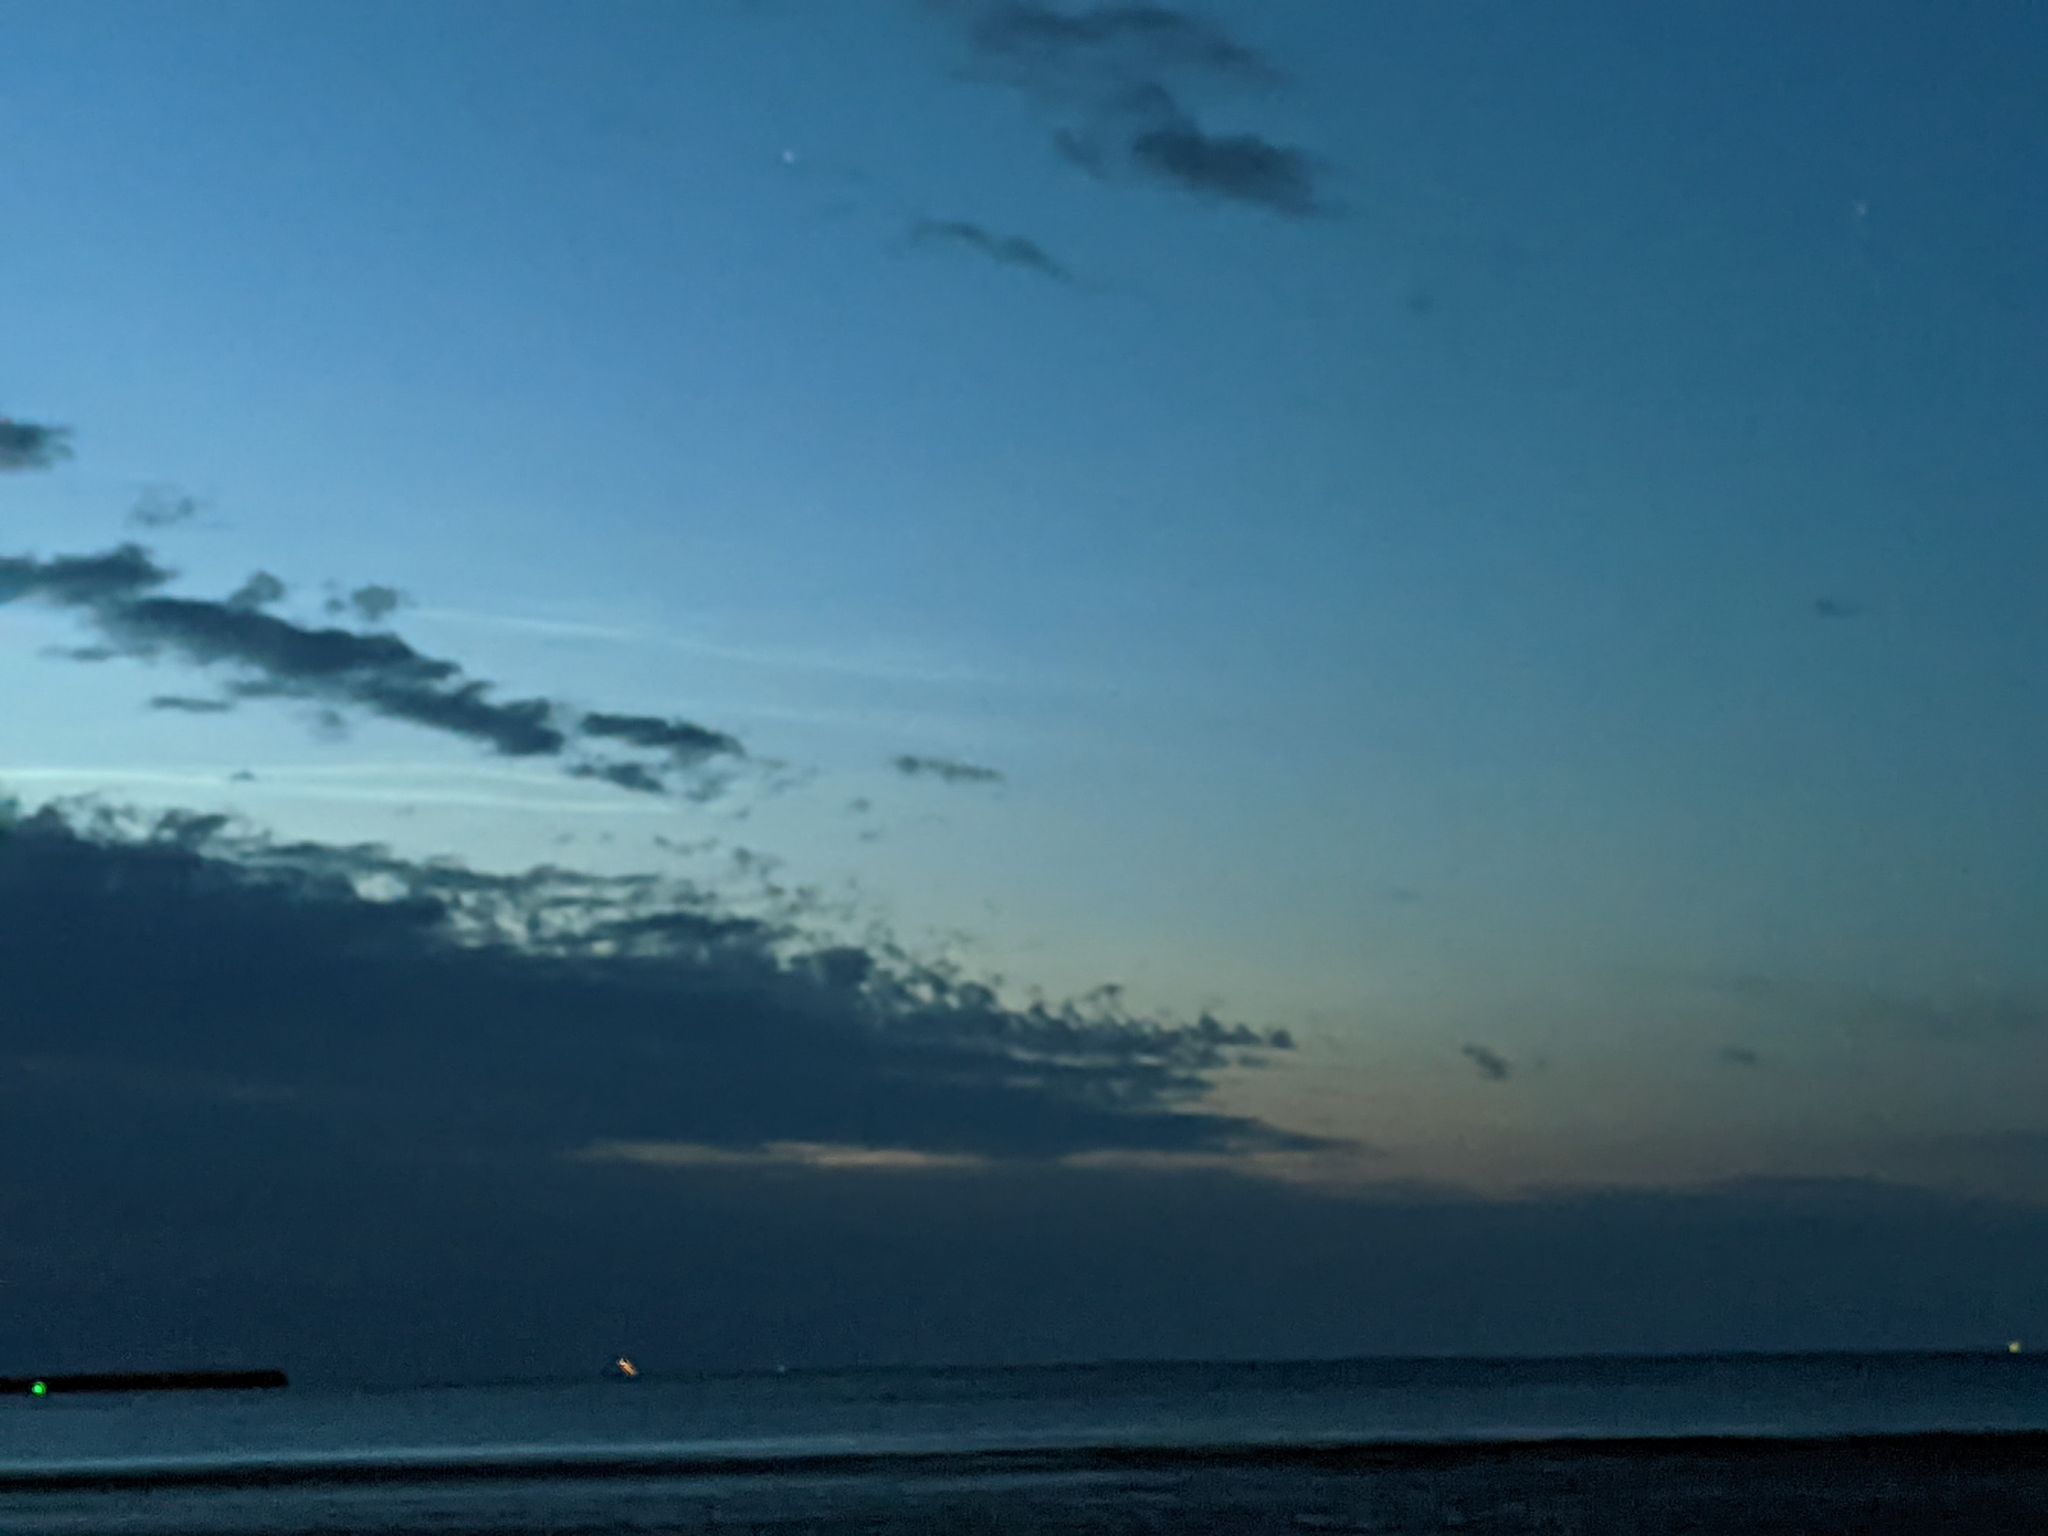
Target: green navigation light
[(40, 1389)]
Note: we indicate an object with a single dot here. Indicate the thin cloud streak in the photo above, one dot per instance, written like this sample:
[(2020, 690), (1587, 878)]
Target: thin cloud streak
[(945, 769), (119, 593), (1003, 250), (181, 704), (825, 1157)]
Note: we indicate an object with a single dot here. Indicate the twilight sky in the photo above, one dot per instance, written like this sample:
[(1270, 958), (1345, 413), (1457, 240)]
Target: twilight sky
[(981, 678)]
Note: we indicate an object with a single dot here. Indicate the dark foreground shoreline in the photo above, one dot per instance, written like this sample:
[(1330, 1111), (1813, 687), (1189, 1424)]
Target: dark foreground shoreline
[(1944, 1455)]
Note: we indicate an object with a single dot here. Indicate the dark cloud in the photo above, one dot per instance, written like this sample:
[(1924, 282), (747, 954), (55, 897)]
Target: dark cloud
[(261, 590), (181, 704), (550, 1010), (450, 1104), (390, 1255), (275, 657), (684, 742), (1493, 1066), (81, 580), (950, 770), (1835, 608), (1740, 1056), (1006, 250), (161, 507), (27, 445), (1240, 167), (1146, 132)]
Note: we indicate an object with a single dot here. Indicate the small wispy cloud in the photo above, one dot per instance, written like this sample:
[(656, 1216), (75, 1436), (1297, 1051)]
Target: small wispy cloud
[(261, 590), (373, 604), (637, 777), (946, 769), (1740, 1056), (162, 507), (687, 743), (1113, 40), (31, 445), (1493, 1066), (1238, 167), (1005, 250)]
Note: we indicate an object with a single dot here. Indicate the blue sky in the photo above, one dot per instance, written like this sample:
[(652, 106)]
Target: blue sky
[(1555, 626)]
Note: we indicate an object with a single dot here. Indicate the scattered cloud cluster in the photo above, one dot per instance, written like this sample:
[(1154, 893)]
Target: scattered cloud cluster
[(1121, 73), (119, 594), (30, 445)]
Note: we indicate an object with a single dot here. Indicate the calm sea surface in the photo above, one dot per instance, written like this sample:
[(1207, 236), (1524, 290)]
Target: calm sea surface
[(1282, 1446)]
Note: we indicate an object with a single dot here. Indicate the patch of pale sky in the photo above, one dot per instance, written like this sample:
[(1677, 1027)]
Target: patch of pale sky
[(847, 662), (359, 783)]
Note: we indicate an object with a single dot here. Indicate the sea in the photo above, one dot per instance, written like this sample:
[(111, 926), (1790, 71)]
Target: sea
[(1750, 1444)]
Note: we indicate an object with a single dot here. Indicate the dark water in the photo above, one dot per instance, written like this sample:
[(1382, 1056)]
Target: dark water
[(1476, 1446)]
